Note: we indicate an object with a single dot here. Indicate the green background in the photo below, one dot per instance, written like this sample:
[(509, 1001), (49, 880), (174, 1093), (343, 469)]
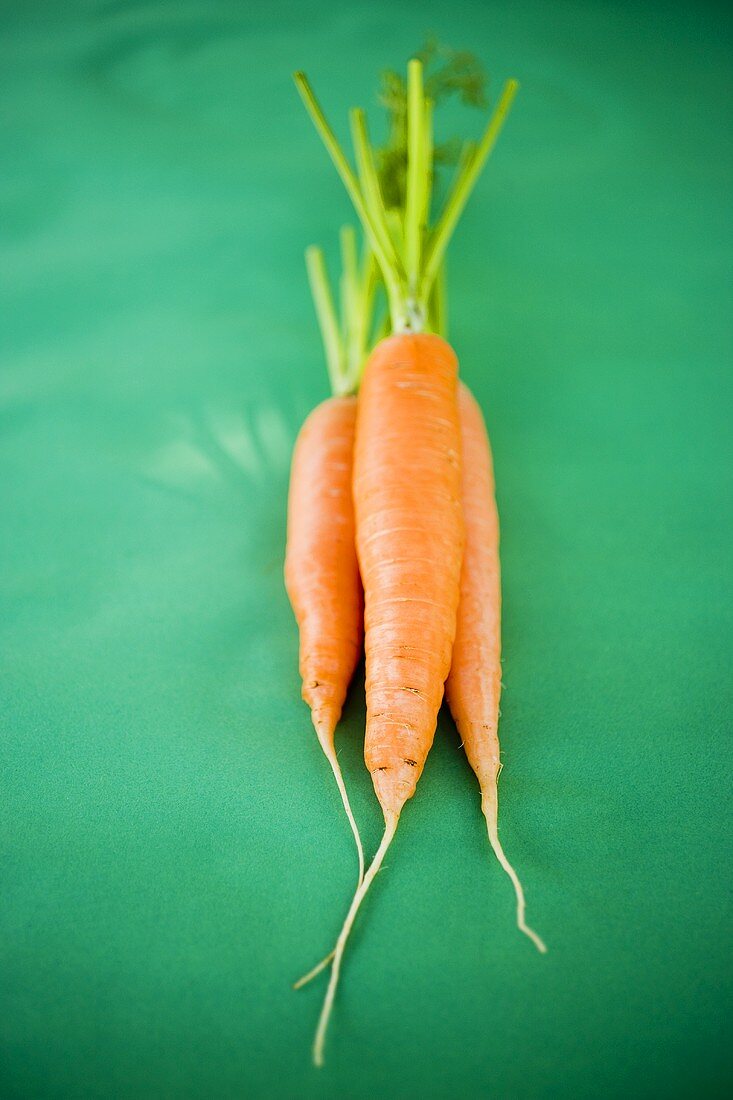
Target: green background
[(173, 852)]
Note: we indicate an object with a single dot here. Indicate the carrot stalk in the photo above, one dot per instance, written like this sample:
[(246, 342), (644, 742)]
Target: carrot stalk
[(357, 295), (369, 180), (349, 273), (382, 250), (417, 177), (439, 304), (408, 509), (327, 320), (464, 185), (407, 278)]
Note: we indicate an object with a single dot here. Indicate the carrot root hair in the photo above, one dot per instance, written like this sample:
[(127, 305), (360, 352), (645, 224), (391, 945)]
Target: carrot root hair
[(390, 827), (336, 769), (490, 807), (317, 969), (330, 754)]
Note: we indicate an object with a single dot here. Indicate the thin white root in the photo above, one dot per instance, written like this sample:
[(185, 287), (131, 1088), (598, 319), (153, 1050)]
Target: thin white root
[(316, 970), (489, 805), (320, 1039), (336, 769)]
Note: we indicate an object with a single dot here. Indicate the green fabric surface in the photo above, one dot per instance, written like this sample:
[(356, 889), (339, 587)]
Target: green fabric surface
[(173, 850)]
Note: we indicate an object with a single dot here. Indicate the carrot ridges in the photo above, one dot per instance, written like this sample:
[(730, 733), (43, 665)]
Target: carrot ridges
[(409, 534), (489, 807), (390, 827), (322, 574), (473, 688)]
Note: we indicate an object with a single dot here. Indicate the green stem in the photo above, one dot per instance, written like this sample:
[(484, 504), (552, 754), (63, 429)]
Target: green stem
[(409, 260), (363, 314), (349, 280), (416, 175), (396, 228), (327, 319), (386, 261), (358, 306), (439, 304), (428, 161), (374, 200), (464, 185), (350, 301)]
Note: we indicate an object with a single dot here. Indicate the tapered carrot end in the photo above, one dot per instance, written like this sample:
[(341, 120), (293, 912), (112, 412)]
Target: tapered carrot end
[(325, 724), (325, 720), (390, 827), (317, 969), (489, 806), (394, 785)]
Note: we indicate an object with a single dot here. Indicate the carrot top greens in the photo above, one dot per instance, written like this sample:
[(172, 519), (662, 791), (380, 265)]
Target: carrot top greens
[(407, 247), (347, 335), (446, 73)]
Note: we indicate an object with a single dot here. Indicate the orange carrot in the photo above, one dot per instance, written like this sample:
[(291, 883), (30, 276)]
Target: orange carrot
[(321, 572), (407, 470), (409, 537), (473, 687)]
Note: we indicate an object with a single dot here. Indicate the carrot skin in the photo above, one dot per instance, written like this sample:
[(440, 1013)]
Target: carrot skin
[(409, 537), (473, 688), (322, 575), (321, 570)]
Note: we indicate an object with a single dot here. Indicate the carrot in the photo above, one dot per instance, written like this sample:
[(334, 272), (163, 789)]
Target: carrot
[(474, 684), (473, 687), (321, 570), (409, 532), (407, 473)]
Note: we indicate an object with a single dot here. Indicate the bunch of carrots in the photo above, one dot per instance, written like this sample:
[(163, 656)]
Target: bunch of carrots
[(393, 536)]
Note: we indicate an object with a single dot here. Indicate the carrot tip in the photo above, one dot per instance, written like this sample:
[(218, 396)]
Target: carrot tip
[(489, 807), (315, 971), (325, 736), (393, 787), (390, 819)]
